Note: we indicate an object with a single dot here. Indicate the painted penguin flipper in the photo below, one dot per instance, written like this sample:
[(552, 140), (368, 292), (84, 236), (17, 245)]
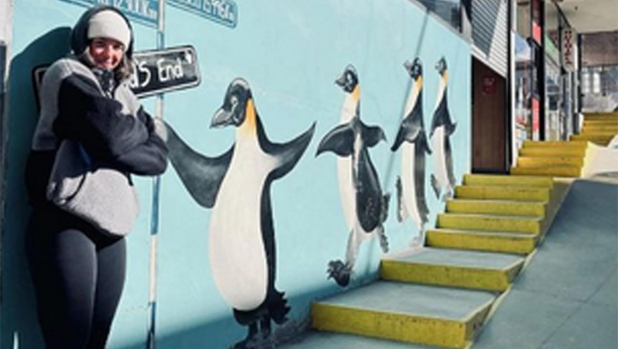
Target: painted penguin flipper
[(450, 128), (448, 153), (200, 175), (408, 131), (289, 153), (424, 143), (369, 200), (371, 135), (339, 140), (435, 185)]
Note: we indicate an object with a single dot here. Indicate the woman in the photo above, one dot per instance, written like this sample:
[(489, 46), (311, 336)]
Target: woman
[(78, 272)]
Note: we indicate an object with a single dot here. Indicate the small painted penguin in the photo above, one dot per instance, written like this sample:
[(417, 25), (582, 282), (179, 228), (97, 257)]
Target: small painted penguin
[(442, 127), (365, 206), (412, 140), (236, 185)]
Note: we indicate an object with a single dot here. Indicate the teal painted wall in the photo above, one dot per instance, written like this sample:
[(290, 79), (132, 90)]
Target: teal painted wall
[(290, 53)]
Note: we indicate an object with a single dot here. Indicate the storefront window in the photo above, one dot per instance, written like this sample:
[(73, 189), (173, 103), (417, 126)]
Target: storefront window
[(600, 88), (523, 84), (448, 10), (524, 22)]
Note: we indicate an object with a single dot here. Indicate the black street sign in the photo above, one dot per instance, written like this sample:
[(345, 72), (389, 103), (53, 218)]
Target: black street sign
[(156, 71), (166, 70)]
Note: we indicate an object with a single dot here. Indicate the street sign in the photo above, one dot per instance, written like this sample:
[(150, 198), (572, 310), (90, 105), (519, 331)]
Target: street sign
[(156, 71), (166, 70), (143, 11), (221, 11)]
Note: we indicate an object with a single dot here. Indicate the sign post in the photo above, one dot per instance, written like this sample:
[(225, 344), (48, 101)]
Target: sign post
[(568, 39), (176, 70)]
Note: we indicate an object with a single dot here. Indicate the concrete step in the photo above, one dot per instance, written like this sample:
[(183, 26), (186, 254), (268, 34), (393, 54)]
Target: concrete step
[(600, 116), (554, 171), (552, 151), (516, 193), (505, 180), (329, 340), (453, 268), (428, 315), (601, 127), (601, 140), (569, 161), (555, 144), (516, 243), (599, 133), (600, 123), (526, 225), (497, 207)]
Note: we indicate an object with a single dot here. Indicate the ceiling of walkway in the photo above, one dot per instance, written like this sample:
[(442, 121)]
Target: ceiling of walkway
[(587, 16)]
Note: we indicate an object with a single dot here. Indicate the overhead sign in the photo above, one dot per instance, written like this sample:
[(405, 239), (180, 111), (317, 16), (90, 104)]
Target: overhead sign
[(568, 48), (144, 11), (165, 70), (156, 71), (221, 11)]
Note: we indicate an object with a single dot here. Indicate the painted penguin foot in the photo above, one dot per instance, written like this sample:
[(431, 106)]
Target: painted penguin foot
[(448, 193), (416, 242), (435, 186), (247, 343), (277, 309), (340, 272), (258, 340)]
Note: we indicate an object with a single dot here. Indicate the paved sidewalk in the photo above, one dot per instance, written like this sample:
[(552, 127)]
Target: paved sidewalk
[(567, 297)]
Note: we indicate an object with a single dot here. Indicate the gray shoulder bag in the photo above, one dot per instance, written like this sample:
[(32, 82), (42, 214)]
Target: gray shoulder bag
[(103, 197)]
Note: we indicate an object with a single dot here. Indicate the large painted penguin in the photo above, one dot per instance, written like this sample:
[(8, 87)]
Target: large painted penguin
[(236, 185), (412, 140), (442, 127), (364, 205)]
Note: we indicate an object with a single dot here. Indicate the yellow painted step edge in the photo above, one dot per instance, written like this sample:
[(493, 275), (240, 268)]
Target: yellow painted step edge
[(398, 326), (556, 144), (506, 180), (554, 171), (538, 194), (543, 152), (490, 223), (482, 241), (450, 275), (531, 161), (501, 207)]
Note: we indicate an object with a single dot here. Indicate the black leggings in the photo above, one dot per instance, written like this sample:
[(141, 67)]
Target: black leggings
[(78, 279)]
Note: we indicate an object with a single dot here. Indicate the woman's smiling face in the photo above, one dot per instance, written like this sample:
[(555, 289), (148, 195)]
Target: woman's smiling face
[(106, 53)]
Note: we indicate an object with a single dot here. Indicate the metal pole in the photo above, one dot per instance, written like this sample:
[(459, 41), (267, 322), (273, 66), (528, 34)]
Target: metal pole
[(154, 224)]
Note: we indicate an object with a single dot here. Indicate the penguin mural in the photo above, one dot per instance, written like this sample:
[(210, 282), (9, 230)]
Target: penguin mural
[(442, 127), (412, 140), (236, 185), (364, 205)]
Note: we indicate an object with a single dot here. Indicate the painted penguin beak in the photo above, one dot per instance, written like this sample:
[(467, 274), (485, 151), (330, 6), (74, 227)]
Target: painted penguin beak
[(222, 118), (340, 80), (408, 65)]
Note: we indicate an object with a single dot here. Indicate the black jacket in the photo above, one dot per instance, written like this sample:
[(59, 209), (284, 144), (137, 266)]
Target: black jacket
[(116, 132)]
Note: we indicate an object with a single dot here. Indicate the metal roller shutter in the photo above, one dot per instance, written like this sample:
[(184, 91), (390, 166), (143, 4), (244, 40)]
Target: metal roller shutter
[(490, 33)]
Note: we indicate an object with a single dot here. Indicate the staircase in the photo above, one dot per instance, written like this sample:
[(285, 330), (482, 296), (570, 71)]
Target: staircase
[(441, 295), (598, 128)]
